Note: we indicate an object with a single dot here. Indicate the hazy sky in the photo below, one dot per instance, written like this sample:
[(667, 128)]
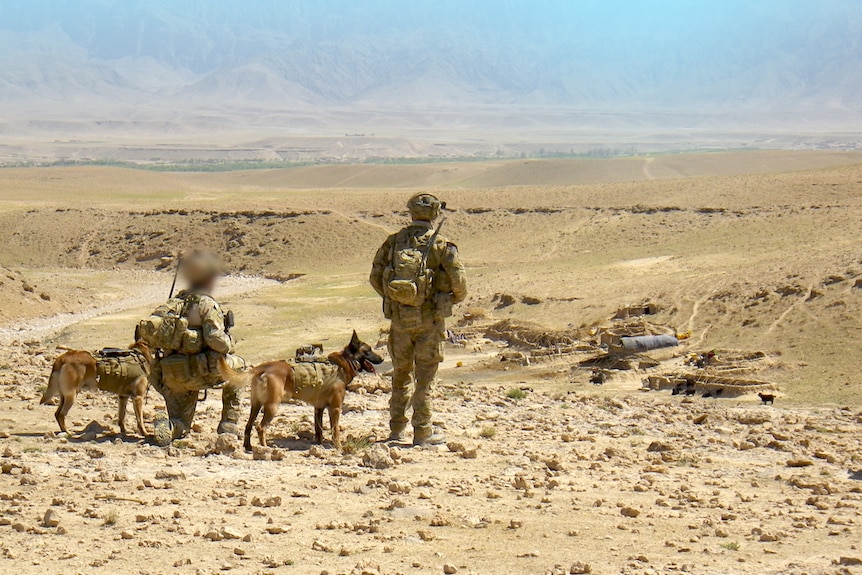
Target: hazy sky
[(800, 54)]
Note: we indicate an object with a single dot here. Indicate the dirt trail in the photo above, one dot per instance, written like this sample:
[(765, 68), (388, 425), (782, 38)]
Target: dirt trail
[(146, 294)]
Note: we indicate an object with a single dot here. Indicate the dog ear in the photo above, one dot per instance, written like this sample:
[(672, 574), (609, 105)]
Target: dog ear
[(354, 341)]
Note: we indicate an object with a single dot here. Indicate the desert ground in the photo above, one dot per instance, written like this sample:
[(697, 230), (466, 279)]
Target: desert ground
[(754, 255)]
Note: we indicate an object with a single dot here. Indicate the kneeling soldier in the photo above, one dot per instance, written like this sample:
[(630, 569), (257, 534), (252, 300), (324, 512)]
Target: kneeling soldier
[(191, 332)]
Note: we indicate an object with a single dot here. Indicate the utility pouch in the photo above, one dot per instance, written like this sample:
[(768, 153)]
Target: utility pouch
[(409, 316), (192, 342), (387, 308), (443, 304), (177, 371)]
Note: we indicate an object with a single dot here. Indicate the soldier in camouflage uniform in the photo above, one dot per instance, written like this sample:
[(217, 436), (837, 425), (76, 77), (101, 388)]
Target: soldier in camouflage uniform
[(204, 316), (418, 326)]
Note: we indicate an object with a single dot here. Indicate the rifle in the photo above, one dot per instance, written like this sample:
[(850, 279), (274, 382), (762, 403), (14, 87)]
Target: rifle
[(176, 274), (431, 244)]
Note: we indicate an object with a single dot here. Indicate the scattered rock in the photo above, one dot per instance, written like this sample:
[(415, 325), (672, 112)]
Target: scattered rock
[(377, 457), (226, 444), (449, 569), (629, 512), (579, 568), (801, 462), (425, 535), (50, 519)]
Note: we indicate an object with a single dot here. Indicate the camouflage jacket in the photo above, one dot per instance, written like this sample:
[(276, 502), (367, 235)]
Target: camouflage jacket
[(204, 313), (443, 260)]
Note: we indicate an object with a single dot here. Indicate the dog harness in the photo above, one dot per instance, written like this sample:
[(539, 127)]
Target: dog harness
[(311, 374), (117, 368)]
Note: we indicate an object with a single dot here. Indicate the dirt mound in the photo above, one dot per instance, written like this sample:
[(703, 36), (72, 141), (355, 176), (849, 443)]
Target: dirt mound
[(23, 297), (276, 243)]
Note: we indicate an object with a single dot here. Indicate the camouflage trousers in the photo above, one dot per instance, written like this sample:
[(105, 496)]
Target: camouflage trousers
[(181, 399), (416, 354)]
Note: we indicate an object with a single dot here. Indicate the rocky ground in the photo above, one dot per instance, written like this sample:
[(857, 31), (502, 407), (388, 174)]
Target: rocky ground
[(544, 473), (534, 481)]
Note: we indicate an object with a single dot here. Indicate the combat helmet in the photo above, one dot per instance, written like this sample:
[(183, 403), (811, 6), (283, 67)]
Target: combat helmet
[(200, 267), (425, 206)]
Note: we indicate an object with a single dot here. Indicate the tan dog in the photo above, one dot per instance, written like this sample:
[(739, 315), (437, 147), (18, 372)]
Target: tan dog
[(76, 370), (323, 385)]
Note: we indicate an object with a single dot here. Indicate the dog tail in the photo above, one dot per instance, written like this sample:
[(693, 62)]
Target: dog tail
[(53, 388), (234, 378)]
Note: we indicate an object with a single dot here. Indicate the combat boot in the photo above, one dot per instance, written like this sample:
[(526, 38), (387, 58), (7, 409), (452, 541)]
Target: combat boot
[(396, 435), (163, 432), (428, 436), (229, 411)]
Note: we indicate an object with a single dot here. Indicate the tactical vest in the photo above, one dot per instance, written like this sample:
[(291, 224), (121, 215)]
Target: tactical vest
[(116, 371), (168, 327), (312, 374)]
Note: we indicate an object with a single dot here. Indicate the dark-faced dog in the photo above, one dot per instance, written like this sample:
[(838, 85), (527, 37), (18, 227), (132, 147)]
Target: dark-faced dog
[(766, 398), (323, 385)]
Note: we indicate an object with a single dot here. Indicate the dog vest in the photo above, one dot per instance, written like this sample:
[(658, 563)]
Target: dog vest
[(116, 370), (308, 374)]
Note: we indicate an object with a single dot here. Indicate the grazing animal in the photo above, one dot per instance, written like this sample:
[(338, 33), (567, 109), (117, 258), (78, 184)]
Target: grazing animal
[(321, 384), (599, 377), (677, 389), (707, 394), (689, 391), (766, 398), (125, 373)]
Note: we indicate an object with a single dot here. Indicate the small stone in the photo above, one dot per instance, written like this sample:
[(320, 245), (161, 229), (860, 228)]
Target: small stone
[(51, 519), (127, 535), (214, 535), (802, 462), (425, 535), (449, 569), (400, 487), (239, 551), (317, 451), (226, 444), (471, 453), (455, 446), (629, 512), (377, 457), (579, 568)]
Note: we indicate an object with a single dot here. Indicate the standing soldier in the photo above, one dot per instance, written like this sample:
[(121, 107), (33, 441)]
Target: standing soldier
[(419, 276), (191, 333)]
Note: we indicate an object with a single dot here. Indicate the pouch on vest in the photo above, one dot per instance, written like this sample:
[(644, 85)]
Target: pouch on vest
[(407, 281), (166, 326), (443, 304), (177, 370), (192, 342), (409, 316)]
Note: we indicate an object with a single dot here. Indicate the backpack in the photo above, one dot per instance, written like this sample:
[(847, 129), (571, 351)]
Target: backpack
[(408, 281), (167, 328)]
